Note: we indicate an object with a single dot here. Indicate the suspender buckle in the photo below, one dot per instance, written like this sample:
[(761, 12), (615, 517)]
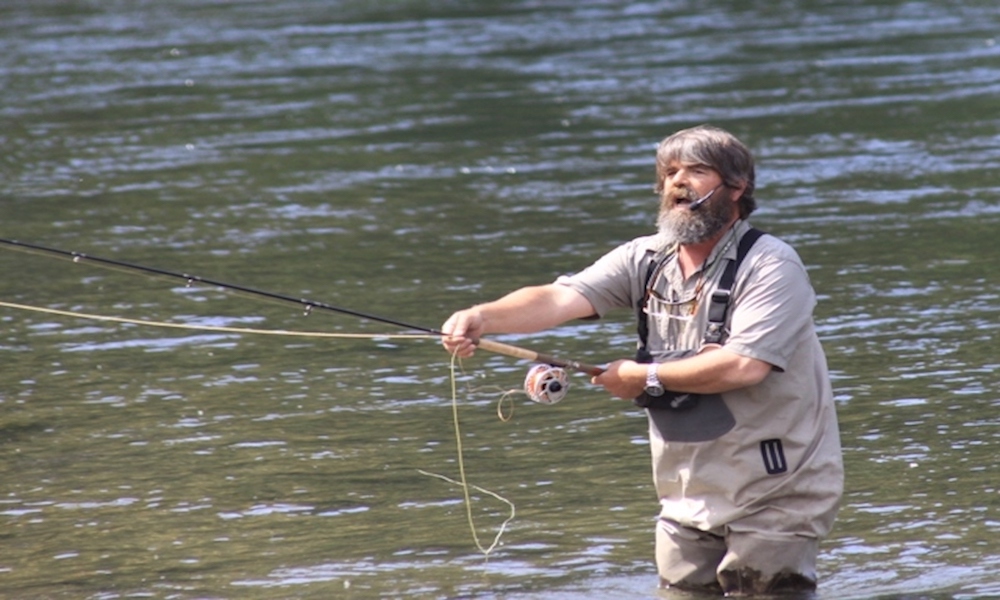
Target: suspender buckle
[(716, 330), (717, 309), (721, 297)]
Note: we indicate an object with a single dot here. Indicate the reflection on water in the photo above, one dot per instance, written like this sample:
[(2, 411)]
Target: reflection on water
[(408, 158)]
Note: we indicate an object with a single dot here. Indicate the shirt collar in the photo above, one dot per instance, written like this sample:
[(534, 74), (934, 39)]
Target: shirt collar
[(727, 243)]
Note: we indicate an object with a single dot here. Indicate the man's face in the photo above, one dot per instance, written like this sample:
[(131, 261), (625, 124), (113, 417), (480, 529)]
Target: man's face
[(683, 186)]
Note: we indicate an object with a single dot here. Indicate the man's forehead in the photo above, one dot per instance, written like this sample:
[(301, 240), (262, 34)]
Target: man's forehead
[(687, 164)]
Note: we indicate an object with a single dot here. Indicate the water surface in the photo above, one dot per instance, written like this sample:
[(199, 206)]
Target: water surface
[(409, 158)]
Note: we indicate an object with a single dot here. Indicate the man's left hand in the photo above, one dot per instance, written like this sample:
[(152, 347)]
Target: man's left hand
[(623, 379)]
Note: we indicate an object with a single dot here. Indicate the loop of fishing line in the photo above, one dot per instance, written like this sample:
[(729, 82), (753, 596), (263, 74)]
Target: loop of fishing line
[(506, 394), (462, 481)]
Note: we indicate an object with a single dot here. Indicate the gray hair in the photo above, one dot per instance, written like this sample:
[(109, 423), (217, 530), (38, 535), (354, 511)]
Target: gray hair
[(715, 148)]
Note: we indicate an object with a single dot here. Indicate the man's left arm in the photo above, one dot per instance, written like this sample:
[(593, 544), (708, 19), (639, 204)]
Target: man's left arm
[(712, 371), (775, 302)]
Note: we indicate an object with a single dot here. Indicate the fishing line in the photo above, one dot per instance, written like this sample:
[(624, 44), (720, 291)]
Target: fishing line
[(505, 394), (216, 328), (122, 266), (461, 482), (546, 383), (309, 305)]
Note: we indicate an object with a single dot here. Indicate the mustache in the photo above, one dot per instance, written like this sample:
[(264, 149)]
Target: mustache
[(682, 193), (686, 193)]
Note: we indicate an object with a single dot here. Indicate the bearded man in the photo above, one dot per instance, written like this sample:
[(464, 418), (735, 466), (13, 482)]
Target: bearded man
[(742, 425)]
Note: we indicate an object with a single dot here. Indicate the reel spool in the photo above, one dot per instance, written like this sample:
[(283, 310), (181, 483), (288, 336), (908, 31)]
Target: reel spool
[(546, 384)]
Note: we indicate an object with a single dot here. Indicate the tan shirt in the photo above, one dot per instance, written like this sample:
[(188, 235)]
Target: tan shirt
[(777, 467)]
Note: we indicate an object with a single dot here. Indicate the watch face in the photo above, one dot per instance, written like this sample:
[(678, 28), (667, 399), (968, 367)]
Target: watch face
[(653, 385)]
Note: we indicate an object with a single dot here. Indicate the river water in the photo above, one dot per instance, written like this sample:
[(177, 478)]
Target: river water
[(407, 158)]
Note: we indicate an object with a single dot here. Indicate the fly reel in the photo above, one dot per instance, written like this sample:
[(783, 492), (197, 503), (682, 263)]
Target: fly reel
[(546, 384)]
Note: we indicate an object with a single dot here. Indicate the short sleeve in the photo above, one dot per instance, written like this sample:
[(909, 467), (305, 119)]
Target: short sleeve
[(613, 280), (773, 305)]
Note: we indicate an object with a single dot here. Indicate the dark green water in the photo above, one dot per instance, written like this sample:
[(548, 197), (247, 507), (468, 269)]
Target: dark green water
[(408, 158)]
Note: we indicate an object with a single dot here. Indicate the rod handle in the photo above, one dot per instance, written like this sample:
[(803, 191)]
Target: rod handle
[(526, 354)]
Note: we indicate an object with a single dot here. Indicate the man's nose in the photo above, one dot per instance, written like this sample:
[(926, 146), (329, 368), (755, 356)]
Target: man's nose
[(679, 179)]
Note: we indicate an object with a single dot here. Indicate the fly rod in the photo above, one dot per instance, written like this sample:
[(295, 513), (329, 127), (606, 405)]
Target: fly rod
[(309, 305)]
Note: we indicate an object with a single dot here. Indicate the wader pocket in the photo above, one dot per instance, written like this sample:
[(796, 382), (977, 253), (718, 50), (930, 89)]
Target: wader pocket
[(680, 417), (707, 418)]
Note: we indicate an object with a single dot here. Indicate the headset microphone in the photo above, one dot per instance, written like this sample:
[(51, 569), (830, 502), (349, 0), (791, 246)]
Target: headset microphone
[(697, 203)]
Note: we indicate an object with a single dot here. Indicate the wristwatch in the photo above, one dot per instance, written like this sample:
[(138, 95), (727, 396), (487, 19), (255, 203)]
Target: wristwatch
[(653, 385)]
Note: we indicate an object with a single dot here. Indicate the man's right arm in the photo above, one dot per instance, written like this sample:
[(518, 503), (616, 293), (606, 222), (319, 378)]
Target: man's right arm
[(526, 310)]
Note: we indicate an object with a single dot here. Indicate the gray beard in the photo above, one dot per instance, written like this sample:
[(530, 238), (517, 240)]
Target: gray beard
[(684, 226)]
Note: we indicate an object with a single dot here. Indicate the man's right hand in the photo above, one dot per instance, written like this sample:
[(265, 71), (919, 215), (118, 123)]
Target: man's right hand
[(461, 332), (525, 310)]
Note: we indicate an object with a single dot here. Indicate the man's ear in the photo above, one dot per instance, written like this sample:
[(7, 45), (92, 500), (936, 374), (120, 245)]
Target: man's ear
[(737, 192)]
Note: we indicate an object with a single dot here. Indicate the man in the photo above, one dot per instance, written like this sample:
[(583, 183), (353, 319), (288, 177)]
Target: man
[(743, 432)]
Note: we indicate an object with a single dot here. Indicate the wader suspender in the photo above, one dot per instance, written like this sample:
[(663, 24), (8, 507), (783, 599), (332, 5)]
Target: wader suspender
[(718, 309)]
